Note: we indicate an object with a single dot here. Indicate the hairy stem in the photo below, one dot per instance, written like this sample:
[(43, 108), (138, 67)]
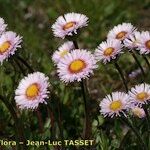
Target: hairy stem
[(86, 131), (18, 125), (59, 117), (147, 117), (121, 75), (40, 121), (25, 63), (75, 44), (138, 63), (146, 60), (129, 124)]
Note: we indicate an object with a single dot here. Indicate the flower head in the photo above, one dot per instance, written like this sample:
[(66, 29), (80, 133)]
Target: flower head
[(76, 65), (2, 26), (68, 24), (9, 42), (108, 50), (133, 40), (140, 94), (62, 51), (121, 31), (138, 112), (144, 44), (115, 104), (32, 91)]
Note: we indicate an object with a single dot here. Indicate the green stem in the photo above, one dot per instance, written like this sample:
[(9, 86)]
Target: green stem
[(129, 124), (59, 117), (51, 116), (147, 117), (138, 63), (25, 63), (75, 44), (123, 141), (121, 75), (40, 121), (18, 124), (86, 130), (20, 67), (146, 60)]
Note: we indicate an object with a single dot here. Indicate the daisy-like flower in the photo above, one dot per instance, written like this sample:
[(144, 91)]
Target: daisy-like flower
[(76, 65), (133, 40), (115, 104), (62, 51), (138, 112), (9, 42), (2, 26), (108, 50), (144, 45), (32, 91), (121, 31), (140, 94), (68, 24)]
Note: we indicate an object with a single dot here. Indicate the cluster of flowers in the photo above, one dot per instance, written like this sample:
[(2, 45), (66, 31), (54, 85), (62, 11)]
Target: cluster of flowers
[(133, 102), (9, 42), (32, 89), (75, 64), (123, 36)]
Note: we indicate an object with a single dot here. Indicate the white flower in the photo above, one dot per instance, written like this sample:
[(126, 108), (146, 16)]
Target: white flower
[(32, 91), (108, 50), (9, 42), (140, 94), (62, 51), (76, 65), (115, 104), (144, 44), (121, 31), (2, 26), (133, 40), (68, 24), (138, 112)]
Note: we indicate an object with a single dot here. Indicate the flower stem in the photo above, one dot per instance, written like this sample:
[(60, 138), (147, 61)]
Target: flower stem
[(40, 121), (75, 44), (86, 130), (147, 117), (138, 63), (146, 60), (129, 124), (59, 117), (121, 75), (18, 124), (25, 63)]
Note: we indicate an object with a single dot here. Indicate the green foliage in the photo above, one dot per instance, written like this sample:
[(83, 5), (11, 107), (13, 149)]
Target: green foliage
[(32, 19)]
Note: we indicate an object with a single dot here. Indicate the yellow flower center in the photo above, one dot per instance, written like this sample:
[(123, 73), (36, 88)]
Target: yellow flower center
[(121, 35), (32, 91), (148, 44), (116, 105), (77, 66), (4, 47), (68, 25), (63, 53), (108, 51), (142, 96)]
